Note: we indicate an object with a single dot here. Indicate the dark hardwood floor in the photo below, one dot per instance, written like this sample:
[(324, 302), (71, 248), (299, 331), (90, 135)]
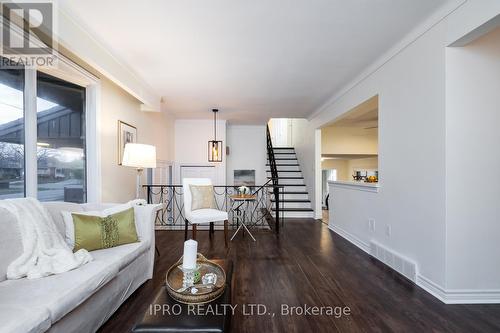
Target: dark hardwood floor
[(309, 264)]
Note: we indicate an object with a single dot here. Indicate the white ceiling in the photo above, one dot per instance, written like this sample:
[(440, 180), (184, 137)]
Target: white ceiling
[(252, 59)]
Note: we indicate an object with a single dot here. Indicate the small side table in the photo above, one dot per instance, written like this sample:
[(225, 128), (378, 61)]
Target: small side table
[(242, 200)]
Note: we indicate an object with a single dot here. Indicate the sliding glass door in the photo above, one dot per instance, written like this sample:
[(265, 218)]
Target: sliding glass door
[(60, 140), (58, 135)]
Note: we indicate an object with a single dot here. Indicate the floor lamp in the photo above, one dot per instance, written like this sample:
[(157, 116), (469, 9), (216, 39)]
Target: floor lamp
[(139, 156)]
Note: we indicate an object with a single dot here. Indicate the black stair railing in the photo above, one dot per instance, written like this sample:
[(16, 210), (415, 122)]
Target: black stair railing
[(274, 177)]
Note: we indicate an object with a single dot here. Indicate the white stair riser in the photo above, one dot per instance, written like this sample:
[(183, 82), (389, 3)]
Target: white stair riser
[(288, 156), (286, 174), (280, 150), (295, 214), (291, 181), (288, 168), (291, 188), (295, 204), (285, 156), (281, 162), (293, 196)]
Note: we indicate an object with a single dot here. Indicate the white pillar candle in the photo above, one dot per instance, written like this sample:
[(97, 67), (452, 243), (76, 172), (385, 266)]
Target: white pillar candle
[(190, 252)]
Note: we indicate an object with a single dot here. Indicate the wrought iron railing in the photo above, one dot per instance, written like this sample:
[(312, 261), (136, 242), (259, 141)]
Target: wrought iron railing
[(274, 176), (171, 216)]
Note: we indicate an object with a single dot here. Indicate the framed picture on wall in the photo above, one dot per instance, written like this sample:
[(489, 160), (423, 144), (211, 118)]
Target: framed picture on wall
[(244, 177), (126, 134)]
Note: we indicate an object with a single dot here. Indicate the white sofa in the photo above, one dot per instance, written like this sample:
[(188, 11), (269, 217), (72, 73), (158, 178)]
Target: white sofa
[(80, 300)]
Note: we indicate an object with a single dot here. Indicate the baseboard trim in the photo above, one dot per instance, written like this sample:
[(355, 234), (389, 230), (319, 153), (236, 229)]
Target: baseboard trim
[(459, 296), (473, 296), (350, 237), (432, 288), (447, 296)]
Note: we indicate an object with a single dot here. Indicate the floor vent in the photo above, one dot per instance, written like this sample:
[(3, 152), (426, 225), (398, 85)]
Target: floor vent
[(402, 265)]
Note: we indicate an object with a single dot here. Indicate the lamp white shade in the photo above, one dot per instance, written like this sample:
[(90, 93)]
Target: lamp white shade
[(139, 156)]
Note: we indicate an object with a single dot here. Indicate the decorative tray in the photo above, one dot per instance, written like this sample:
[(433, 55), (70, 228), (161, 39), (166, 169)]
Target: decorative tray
[(175, 275)]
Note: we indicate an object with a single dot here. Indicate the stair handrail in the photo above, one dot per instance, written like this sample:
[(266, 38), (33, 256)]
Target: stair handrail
[(271, 158), (266, 184), (274, 175)]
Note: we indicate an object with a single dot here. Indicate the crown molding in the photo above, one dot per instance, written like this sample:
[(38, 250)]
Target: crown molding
[(74, 36)]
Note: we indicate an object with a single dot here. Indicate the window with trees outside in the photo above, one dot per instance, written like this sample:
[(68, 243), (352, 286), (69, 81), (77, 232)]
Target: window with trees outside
[(57, 140), (11, 133)]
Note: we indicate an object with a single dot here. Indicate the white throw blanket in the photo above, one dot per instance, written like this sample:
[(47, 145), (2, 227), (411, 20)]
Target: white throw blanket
[(44, 250)]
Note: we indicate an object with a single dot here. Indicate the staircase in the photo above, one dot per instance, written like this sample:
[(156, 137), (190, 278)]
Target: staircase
[(295, 199)]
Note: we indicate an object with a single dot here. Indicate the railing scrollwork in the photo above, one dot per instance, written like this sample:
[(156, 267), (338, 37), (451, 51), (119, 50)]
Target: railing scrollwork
[(171, 216)]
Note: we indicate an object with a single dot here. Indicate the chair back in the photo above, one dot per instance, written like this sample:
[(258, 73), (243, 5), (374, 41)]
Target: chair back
[(187, 191)]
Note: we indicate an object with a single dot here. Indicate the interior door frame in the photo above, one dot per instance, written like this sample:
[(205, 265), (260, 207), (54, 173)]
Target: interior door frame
[(177, 177)]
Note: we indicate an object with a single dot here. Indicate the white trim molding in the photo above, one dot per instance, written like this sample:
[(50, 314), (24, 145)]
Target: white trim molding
[(464, 296), (76, 37), (350, 237), (459, 296), (447, 296), (432, 288), (318, 193), (30, 134), (358, 186), (70, 71), (93, 144)]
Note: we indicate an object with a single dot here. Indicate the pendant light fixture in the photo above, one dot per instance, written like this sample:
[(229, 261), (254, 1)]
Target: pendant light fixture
[(215, 146)]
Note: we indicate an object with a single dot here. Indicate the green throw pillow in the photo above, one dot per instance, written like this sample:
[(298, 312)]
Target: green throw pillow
[(95, 232)]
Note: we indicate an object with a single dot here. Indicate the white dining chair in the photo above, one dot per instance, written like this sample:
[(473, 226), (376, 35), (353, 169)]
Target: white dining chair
[(204, 215)]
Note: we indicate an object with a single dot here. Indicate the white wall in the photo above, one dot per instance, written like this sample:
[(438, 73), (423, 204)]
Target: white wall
[(339, 165), (191, 145), (473, 161), (303, 140), (411, 85), (361, 163), (247, 150), (415, 213), (349, 140), (280, 130), (155, 128), (411, 89), (345, 167)]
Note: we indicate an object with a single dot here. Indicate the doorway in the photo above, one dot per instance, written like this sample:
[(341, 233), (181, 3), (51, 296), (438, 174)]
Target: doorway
[(198, 171), (326, 176), (348, 145), (281, 132)]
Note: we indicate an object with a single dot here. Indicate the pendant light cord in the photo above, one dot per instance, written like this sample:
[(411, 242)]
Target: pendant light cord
[(215, 124)]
